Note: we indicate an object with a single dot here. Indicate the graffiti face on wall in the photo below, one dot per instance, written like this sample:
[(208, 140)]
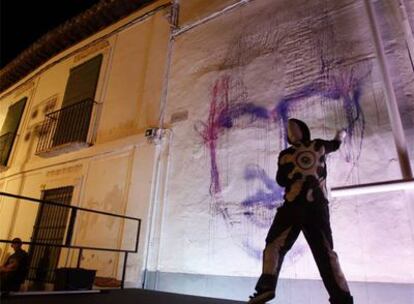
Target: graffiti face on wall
[(335, 89)]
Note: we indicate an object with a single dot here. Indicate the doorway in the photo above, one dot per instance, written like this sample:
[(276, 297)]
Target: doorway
[(50, 228)]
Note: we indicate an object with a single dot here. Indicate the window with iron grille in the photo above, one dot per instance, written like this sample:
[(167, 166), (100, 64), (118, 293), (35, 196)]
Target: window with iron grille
[(51, 227), (9, 129)]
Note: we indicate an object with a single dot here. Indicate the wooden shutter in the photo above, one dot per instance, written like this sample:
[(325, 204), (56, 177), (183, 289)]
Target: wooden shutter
[(9, 129), (82, 81)]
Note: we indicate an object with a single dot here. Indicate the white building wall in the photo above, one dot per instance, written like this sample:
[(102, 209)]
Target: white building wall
[(318, 59)]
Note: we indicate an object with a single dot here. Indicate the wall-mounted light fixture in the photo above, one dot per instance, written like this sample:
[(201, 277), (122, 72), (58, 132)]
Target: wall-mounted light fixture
[(151, 132)]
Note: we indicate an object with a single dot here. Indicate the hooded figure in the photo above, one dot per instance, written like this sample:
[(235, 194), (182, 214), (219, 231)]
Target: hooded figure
[(298, 131), (302, 172)]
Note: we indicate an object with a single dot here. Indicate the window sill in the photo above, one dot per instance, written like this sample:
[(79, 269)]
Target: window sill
[(63, 149)]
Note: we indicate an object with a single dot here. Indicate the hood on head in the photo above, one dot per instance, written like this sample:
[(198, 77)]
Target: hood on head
[(297, 131)]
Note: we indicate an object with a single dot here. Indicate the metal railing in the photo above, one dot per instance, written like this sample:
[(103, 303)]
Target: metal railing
[(6, 141), (67, 125), (74, 210)]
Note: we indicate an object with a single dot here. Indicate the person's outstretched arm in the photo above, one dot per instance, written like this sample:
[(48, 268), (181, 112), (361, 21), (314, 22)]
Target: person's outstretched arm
[(334, 144)]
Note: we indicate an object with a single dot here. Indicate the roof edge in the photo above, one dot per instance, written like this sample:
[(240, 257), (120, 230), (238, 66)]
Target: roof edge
[(80, 27)]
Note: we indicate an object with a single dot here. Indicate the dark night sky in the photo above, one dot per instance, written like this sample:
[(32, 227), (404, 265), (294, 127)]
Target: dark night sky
[(25, 21)]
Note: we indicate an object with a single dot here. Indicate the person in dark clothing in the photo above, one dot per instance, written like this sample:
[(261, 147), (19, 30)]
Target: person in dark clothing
[(14, 271), (302, 172)]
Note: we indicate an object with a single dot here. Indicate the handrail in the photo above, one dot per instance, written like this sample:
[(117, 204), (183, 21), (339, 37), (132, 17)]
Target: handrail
[(377, 187), (70, 246), (67, 244), (46, 202), (71, 106), (65, 126)]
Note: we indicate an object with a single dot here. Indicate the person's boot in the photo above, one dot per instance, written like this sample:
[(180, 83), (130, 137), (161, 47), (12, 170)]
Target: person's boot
[(265, 289), (344, 299), (261, 297)]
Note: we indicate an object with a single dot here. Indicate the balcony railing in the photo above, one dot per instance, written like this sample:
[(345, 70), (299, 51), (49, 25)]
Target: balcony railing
[(66, 127), (6, 141)]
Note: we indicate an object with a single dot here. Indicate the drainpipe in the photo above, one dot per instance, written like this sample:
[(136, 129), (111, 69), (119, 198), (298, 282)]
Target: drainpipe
[(156, 212), (391, 100), (162, 141), (173, 20)]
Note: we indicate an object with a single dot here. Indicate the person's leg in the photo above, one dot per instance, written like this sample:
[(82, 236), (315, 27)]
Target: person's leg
[(282, 235), (276, 250), (7, 283), (3, 281), (318, 234)]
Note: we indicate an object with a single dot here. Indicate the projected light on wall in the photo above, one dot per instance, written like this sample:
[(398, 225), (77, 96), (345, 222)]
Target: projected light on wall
[(240, 86), (341, 89)]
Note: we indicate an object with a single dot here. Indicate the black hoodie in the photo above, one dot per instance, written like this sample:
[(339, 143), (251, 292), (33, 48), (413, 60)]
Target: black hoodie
[(302, 166)]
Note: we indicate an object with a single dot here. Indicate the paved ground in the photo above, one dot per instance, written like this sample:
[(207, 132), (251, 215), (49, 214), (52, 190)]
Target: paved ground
[(126, 296)]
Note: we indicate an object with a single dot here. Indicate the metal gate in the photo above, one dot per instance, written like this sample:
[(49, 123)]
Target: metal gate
[(50, 228)]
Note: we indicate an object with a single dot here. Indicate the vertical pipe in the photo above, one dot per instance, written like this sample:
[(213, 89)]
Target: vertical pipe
[(124, 270), (391, 100), (174, 16), (71, 226), (79, 258), (151, 215), (137, 237), (154, 204)]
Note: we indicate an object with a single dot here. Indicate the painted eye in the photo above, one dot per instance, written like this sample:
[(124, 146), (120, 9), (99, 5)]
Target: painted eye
[(306, 160)]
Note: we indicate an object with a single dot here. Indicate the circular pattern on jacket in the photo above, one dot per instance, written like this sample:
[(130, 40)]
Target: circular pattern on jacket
[(306, 160)]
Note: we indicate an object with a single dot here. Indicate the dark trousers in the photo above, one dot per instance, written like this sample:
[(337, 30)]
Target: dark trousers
[(9, 281), (313, 220)]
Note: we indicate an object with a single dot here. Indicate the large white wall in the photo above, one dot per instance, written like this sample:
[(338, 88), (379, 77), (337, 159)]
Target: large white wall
[(264, 53)]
